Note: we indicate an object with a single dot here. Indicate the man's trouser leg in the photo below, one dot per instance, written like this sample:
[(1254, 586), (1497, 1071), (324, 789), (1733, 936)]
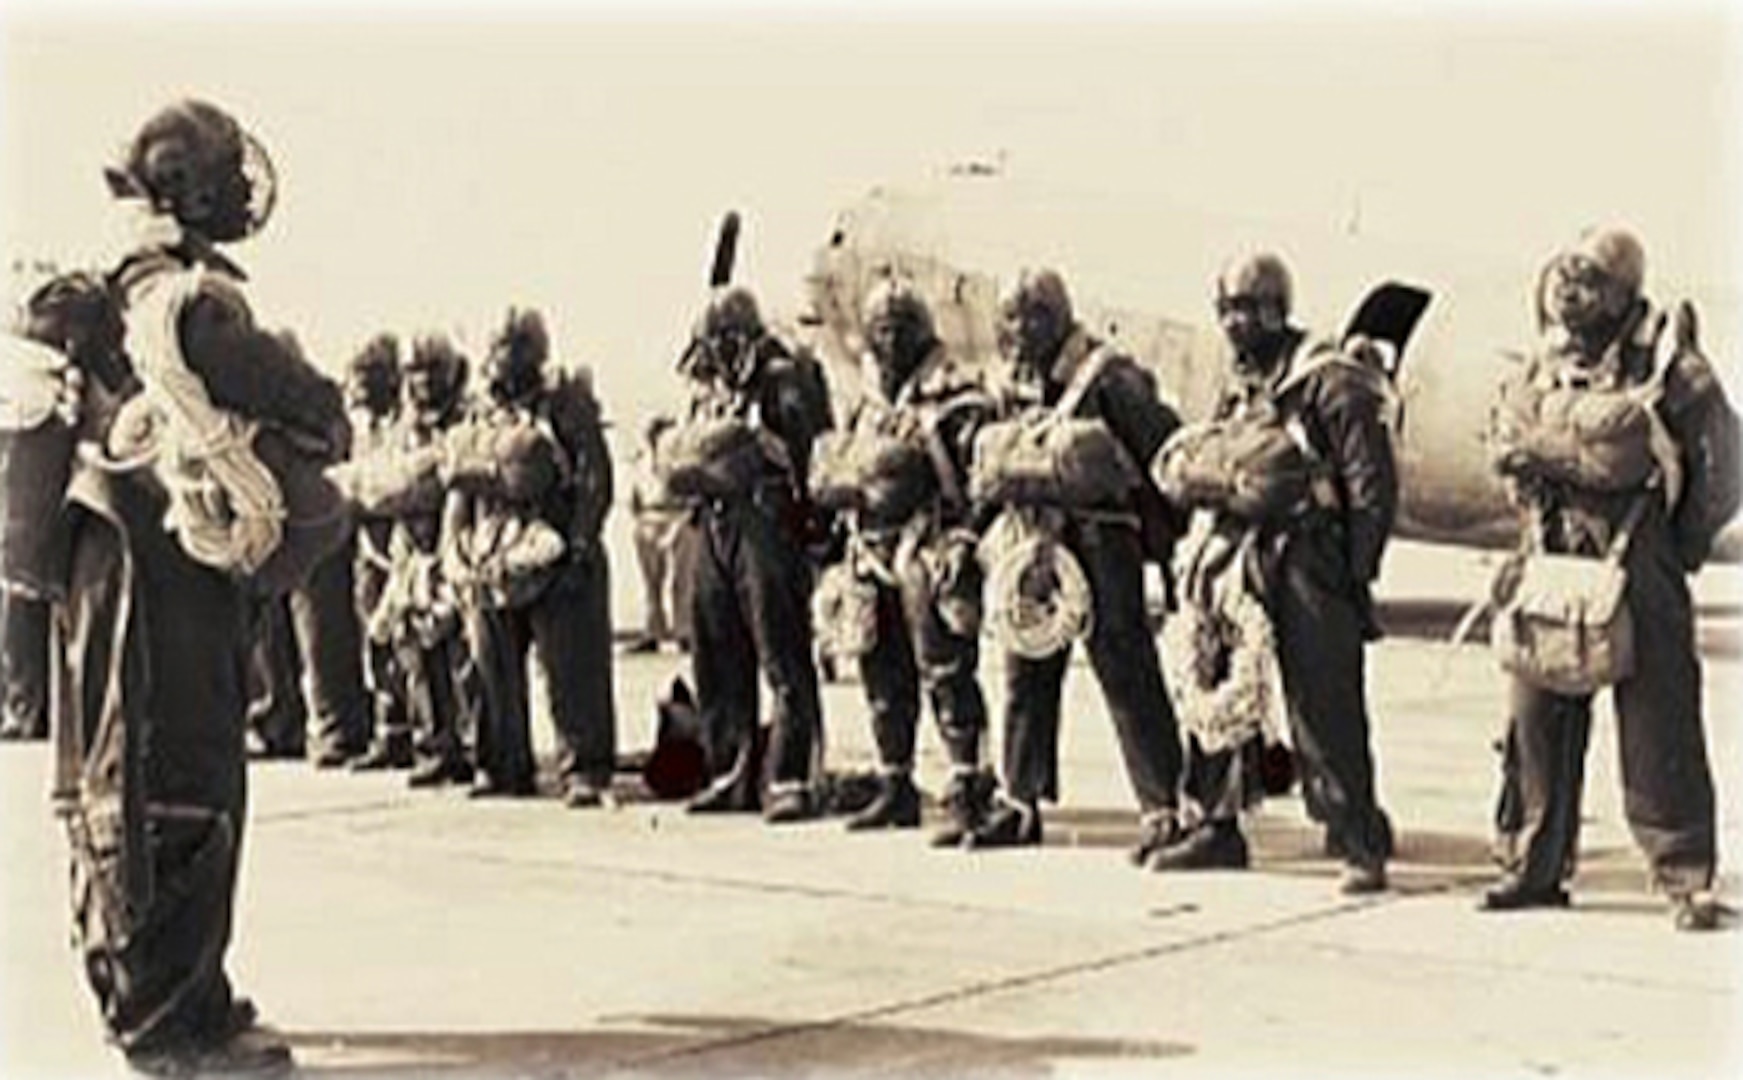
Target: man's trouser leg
[(432, 700), (1320, 653), (1122, 650), (387, 709), (571, 634), (1550, 734), (686, 547), (277, 712), (653, 560), (723, 657), (156, 959), (505, 753), (1031, 751), (892, 683), (1667, 783), (774, 593), (948, 667), (330, 641), (1510, 801)]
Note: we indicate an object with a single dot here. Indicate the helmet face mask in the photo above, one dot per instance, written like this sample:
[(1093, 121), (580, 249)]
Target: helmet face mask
[(515, 365), (1035, 318), (1254, 295), (195, 162), (434, 377), (898, 332), (374, 380), (726, 337), (1590, 287)]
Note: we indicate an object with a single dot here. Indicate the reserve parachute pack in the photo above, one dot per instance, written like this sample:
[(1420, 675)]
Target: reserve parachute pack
[(864, 469), (1049, 457), (513, 461), (891, 460), (1262, 465), (1265, 467), (516, 461), (1259, 470), (1591, 430), (392, 481), (712, 458), (1555, 426)]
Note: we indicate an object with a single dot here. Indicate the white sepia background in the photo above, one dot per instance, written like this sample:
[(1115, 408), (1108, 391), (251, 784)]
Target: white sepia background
[(439, 162)]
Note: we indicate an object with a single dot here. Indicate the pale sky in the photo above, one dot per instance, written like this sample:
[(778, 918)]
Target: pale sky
[(436, 168)]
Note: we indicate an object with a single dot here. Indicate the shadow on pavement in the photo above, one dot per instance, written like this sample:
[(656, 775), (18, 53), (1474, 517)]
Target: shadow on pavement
[(709, 1046)]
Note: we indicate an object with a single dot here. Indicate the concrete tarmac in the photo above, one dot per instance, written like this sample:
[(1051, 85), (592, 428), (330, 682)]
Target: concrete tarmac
[(393, 933)]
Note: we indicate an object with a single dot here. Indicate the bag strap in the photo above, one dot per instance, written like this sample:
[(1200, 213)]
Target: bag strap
[(1081, 382), (939, 454), (1619, 543)]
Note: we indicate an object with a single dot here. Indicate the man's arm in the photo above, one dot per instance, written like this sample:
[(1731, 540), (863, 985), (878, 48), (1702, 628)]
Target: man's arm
[(259, 375), (1359, 449), (1138, 417)]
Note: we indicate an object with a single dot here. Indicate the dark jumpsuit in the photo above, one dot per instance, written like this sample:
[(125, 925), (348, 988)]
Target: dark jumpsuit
[(1667, 782), (918, 563), (151, 778), (1112, 548), (1313, 574), (566, 624), (750, 594)]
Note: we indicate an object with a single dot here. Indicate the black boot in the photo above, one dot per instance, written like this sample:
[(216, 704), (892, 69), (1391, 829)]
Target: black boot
[(247, 1053), (1214, 845), (1512, 894), (896, 807), (789, 803), (444, 769), (1008, 824), (732, 794), (1157, 830), (1698, 911), (966, 800), (391, 752)]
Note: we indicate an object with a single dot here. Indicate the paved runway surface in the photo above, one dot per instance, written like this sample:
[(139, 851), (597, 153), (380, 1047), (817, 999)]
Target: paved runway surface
[(394, 933)]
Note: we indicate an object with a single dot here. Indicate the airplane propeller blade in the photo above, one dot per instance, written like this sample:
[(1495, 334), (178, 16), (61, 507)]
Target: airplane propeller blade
[(725, 251)]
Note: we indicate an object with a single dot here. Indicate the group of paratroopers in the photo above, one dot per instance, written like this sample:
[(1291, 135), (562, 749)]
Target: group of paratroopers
[(209, 470)]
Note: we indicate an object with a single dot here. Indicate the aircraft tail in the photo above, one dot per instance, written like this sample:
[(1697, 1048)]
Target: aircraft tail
[(1389, 313)]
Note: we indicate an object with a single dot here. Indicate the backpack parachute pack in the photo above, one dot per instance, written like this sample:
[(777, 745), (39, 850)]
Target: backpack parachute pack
[(1696, 408), (36, 461)]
